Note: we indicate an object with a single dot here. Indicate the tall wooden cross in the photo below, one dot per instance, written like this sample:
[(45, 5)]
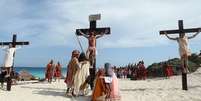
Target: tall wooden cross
[(13, 44), (97, 31), (181, 31)]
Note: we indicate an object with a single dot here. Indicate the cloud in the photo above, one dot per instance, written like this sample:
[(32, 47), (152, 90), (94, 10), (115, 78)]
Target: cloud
[(133, 23)]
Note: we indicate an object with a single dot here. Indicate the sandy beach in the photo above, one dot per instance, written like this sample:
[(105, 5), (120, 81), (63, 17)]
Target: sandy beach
[(158, 89)]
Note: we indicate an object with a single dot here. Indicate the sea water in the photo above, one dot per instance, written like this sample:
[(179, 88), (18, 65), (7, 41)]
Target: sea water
[(37, 71)]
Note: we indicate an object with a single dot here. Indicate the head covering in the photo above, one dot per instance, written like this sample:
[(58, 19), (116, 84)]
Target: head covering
[(51, 61), (75, 52), (82, 57), (108, 69)]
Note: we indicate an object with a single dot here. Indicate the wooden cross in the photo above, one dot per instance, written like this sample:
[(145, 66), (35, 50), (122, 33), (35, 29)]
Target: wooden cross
[(96, 31), (14, 43), (181, 31)]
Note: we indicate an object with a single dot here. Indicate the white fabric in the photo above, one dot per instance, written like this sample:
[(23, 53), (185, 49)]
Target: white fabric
[(108, 79), (81, 74), (183, 46), (9, 56)]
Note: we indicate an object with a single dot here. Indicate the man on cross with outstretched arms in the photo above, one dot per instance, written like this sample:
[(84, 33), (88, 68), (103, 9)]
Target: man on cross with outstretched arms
[(91, 51), (184, 50)]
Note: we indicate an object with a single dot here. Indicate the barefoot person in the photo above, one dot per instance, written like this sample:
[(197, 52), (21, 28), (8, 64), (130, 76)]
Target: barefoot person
[(184, 50), (48, 72), (71, 70), (91, 52), (81, 75), (57, 72)]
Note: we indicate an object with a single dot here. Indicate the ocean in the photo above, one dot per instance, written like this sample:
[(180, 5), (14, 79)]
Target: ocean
[(37, 71)]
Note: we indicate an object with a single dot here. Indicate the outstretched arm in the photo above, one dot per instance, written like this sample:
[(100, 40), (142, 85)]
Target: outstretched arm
[(3, 47), (190, 37), (86, 36), (170, 37), (103, 33), (18, 47), (100, 35)]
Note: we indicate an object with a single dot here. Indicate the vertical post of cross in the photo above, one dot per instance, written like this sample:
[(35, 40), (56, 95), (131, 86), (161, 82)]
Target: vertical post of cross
[(92, 28), (14, 40), (184, 75)]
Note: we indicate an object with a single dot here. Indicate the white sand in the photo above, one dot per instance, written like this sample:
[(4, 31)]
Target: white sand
[(149, 90)]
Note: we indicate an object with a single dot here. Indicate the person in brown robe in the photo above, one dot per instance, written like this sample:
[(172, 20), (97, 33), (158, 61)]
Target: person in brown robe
[(71, 71), (99, 88)]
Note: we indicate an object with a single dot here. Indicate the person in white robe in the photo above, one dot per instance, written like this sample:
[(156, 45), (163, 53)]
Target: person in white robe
[(81, 75), (9, 58)]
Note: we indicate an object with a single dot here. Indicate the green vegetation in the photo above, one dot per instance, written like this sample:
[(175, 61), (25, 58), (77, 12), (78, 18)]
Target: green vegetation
[(157, 70)]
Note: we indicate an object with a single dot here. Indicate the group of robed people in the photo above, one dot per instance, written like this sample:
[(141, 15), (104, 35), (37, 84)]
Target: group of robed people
[(53, 71), (78, 79)]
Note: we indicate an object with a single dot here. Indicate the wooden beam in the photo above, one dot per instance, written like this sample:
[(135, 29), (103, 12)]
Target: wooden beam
[(190, 30), (17, 43), (97, 30)]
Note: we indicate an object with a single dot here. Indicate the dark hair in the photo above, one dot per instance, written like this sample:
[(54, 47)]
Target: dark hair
[(82, 57), (51, 61)]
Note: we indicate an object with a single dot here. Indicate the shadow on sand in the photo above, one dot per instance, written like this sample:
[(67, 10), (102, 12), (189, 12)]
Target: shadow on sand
[(160, 89), (56, 92), (145, 89)]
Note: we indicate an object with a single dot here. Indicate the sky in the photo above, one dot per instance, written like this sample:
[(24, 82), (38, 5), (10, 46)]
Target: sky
[(50, 27)]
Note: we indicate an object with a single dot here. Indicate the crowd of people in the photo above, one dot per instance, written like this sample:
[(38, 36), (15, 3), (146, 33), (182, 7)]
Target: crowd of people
[(134, 72), (78, 78)]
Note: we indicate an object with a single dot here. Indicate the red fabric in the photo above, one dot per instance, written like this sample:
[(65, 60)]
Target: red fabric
[(169, 71), (142, 72), (57, 72), (48, 74)]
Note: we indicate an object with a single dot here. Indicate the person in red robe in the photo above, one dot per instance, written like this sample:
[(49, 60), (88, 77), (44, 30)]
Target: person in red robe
[(48, 72), (98, 92), (169, 71), (57, 72), (142, 71)]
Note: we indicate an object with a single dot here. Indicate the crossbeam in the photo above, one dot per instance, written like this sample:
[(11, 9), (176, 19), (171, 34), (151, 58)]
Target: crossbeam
[(181, 30), (97, 30), (14, 42), (192, 30)]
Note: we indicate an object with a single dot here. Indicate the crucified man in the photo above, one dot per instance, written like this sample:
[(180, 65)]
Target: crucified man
[(184, 50), (92, 36)]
